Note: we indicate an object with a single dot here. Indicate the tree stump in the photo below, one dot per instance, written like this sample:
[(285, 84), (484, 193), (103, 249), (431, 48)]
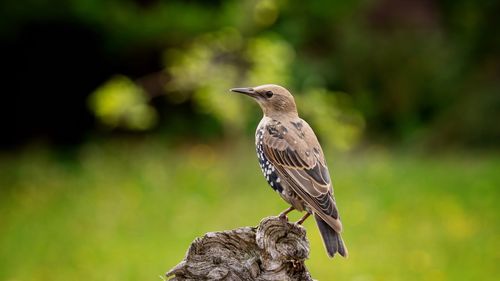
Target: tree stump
[(275, 250)]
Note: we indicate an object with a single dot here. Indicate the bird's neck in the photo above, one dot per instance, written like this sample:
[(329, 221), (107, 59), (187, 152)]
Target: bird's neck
[(282, 115)]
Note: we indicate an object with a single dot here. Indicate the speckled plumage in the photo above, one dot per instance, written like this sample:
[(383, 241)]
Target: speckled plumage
[(267, 168), (293, 163)]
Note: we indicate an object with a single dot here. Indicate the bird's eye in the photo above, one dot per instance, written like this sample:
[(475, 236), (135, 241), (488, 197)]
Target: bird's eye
[(269, 94)]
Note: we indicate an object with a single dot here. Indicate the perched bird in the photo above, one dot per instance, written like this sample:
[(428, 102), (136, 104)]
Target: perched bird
[(293, 163)]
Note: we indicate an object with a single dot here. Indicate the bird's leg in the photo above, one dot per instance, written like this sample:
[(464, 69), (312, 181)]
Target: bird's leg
[(303, 218), (283, 214)]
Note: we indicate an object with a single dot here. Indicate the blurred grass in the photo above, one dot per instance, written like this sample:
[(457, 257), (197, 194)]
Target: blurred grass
[(127, 210)]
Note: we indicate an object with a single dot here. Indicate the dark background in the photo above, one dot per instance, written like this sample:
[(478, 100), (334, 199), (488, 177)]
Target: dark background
[(418, 71)]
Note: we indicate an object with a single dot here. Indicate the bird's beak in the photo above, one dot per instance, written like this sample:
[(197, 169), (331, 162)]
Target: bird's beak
[(247, 91)]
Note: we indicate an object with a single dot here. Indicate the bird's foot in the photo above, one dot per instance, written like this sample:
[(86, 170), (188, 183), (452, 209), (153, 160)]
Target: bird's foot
[(283, 214), (283, 217), (301, 221)]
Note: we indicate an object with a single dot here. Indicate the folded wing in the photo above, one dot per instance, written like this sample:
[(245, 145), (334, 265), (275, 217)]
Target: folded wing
[(296, 154)]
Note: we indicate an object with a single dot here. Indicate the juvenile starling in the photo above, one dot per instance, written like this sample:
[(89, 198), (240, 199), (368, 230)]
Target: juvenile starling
[(293, 163)]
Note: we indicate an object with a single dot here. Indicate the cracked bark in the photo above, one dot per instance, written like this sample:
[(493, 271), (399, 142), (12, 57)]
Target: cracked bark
[(274, 250)]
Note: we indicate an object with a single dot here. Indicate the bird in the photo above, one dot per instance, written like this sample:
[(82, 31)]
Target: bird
[(293, 163)]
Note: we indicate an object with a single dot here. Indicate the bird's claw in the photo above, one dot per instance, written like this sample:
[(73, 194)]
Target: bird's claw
[(297, 224), (283, 214), (283, 217)]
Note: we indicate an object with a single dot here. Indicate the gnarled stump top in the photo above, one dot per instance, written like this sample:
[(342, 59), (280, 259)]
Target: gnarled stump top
[(275, 250)]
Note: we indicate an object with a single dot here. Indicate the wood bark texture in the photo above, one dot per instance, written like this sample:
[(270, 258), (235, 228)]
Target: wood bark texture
[(274, 250)]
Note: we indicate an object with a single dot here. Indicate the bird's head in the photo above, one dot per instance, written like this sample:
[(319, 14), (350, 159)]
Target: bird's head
[(274, 100)]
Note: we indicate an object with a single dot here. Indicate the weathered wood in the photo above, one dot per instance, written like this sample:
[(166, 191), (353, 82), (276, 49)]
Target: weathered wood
[(275, 250)]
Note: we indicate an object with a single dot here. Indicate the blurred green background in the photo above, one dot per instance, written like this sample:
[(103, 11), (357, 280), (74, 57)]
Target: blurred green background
[(121, 144)]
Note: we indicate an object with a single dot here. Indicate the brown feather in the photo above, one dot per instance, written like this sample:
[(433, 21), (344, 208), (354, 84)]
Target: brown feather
[(307, 176)]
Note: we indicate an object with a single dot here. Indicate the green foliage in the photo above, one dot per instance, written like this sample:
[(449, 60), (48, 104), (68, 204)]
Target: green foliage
[(411, 76), (271, 60), (199, 74), (339, 127), (204, 71), (121, 103), (422, 72), (127, 210)]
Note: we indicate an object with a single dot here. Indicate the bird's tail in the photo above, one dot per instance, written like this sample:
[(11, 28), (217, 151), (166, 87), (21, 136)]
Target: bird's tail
[(332, 240)]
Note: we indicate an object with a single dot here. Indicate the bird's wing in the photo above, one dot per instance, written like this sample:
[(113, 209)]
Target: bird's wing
[(295, 152)]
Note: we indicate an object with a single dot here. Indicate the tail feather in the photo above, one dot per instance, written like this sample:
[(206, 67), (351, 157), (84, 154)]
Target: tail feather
[(332, 240)]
